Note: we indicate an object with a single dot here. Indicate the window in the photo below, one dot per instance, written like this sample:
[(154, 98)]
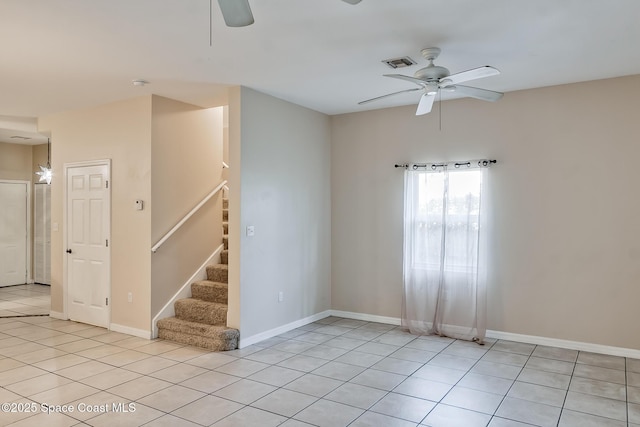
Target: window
[(447, 218), (444, 261)]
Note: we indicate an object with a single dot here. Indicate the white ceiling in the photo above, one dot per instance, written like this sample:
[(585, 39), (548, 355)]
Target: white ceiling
[(58, 55)]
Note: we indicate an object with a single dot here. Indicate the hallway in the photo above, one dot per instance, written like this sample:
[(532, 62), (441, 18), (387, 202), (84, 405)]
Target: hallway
[(25, 300)]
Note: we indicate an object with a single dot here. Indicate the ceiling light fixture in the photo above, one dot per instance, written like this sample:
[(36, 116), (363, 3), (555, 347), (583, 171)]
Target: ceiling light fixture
[(45, 172), (139, 82)]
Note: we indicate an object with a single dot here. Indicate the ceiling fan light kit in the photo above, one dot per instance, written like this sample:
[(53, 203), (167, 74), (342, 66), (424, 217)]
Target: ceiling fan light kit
[(433, 78)]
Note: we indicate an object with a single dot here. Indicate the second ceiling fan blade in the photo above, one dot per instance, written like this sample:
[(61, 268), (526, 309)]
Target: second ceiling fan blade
[(476, 73), (426, 102), (475, 92), (384, 96), (407, 78), (236, 13)]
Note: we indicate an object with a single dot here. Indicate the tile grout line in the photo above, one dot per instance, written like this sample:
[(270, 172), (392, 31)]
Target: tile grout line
[(371, 367)]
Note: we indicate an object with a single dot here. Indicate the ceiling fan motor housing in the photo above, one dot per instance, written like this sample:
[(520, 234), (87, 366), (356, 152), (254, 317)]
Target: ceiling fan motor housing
[(431, 73)]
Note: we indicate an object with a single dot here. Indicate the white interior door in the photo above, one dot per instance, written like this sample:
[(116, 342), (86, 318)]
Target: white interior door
[(14, 198), (88, 257)]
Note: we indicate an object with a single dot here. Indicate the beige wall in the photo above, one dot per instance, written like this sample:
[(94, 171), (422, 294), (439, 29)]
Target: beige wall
[(16, 162), (167, 154), (121, 132), (234, 176), (39, 157), (186, 154), (280, 184), (565, 241)]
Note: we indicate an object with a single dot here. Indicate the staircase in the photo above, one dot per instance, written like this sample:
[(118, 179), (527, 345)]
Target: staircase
[(201, 320)]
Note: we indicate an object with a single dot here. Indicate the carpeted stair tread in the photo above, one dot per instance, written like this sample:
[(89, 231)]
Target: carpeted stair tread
[(207, 290), (218, 273), (195, 310), (216, 338), (201, 320)]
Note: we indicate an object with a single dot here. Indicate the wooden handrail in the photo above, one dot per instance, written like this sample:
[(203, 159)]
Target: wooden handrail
[(187, 216)]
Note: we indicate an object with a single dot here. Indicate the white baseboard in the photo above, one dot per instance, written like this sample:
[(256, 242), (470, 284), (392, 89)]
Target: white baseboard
[(244, 342), (58, 315), (130, 331), (185, 290), (572, 345), (366, 317), (112, 327), (528, 339)]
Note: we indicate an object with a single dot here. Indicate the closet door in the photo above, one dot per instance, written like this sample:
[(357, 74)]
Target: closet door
[(13, 232), (42, 234)]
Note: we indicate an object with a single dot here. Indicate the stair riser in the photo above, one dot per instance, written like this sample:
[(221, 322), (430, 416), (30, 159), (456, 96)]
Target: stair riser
[(224, 257), (225, 242), (199, 341), (225, 228), (216, 274), (200, 329), (201, 313), (225, 215), (225, 203), (218, 293)]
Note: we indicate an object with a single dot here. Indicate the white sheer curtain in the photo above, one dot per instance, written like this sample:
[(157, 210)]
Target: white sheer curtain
[(445, 251)]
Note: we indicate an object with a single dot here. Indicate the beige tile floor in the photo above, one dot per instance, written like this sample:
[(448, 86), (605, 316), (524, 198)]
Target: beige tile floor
[(334, 372), (21, 300)]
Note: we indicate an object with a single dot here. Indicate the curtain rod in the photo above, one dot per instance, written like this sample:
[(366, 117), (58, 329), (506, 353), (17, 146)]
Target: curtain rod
[(483, 163)]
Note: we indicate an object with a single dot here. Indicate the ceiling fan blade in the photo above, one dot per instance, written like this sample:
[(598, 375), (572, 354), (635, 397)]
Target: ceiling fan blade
[(474, 92), (236, 13), (476, 73), (426, 102), (384, 96), (352, 1), (407, 78)]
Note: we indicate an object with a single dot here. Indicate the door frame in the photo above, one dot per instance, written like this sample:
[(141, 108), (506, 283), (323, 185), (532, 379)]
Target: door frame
[(65, 266), (33, 240), (29, 243)]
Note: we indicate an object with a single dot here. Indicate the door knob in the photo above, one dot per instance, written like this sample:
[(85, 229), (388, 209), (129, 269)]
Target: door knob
[(69, 251)]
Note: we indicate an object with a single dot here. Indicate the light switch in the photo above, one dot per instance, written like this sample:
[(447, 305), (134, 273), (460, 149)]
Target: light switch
[(251, 231)]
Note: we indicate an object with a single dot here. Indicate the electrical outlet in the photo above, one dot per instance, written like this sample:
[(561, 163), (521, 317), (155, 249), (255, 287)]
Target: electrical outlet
[(251, 230), (280, 296), (130, 297)]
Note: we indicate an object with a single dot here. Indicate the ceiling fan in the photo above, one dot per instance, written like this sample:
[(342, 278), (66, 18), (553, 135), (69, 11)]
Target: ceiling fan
[(434, 78), (237, 13)]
